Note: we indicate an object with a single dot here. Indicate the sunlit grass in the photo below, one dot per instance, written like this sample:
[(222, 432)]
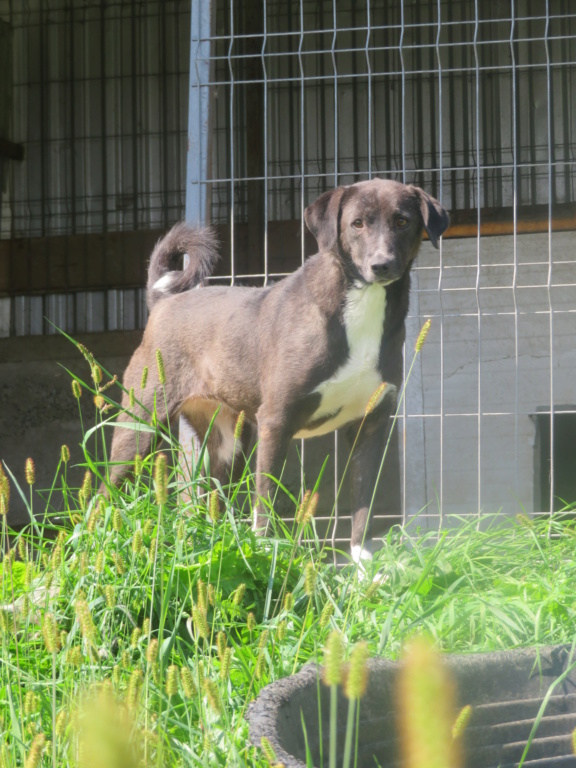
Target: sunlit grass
[(146, 625)]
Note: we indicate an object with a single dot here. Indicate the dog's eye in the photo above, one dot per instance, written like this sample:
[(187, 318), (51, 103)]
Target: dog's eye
[(401, 222), (357, 223)]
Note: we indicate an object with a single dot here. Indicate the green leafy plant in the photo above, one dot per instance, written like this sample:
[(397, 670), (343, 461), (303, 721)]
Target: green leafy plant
[(173, 615)]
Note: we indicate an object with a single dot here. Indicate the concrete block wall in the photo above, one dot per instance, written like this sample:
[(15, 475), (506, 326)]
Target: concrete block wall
[(502, 345)]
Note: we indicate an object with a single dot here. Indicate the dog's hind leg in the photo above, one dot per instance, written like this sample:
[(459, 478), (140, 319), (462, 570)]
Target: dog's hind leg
[(218, 422), (136, 425)]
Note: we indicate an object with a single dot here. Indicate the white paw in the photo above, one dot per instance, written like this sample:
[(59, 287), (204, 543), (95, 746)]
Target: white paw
[(359, 554), (259, 525)]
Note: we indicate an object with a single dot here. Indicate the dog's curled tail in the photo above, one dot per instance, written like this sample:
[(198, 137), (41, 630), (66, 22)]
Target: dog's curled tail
[(165, 275)]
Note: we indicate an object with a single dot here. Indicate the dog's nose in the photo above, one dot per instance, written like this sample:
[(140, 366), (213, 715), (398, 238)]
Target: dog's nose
[(381, 269)]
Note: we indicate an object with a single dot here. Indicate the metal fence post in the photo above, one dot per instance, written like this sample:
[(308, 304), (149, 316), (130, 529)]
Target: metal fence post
[(197, 164)]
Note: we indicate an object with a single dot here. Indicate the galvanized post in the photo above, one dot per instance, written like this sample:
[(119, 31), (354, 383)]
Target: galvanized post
[(197, 166), (199, 139)]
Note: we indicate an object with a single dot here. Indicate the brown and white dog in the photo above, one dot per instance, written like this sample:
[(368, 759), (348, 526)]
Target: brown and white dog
[(301, 357)]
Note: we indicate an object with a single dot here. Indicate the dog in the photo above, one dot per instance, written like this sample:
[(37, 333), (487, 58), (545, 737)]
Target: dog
[(301, 357)]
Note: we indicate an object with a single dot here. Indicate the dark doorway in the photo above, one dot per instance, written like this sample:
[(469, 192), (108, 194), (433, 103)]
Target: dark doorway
[(556, 466)]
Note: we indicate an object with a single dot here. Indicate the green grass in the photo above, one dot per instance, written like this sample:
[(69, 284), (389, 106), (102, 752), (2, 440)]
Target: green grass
[(137, 632)]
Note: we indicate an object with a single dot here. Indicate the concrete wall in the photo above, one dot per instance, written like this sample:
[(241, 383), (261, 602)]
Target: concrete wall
[(502, 344), (37, 410)]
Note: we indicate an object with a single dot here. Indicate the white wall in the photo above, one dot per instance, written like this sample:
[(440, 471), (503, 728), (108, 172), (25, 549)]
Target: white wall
[(501, 344)]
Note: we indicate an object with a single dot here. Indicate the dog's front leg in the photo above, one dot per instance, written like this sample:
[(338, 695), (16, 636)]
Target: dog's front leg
[(369, 439), (273, 443)]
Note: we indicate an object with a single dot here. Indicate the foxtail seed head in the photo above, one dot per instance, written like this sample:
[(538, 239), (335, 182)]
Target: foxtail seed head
[(30, 471), (152, 651), (211, 692), (172, 676), (239, 594), (263, 640), (326, 614), (281, 631), (65, 454), (87, 628), (137, 541), (28, 574), (200, 624), (214, 507), (161, 478), (307, 508), (153, 548), (35, 755), (96, 374), (461, 721), (144, 379), (62, 719), (422, 335), (310, 576), (221, 643), (187, 679), (357, 678), (132, 398), (202, 593), (225, 663), (134, 685), (288, 604), (30, 703), (268, 750), (85, 489), (238, 429), (88, 356), (376, 395), (109, 596), (251, 622), (333, 658), (50, 633), (426, 702), (100, 402), (117, 520), (523, 519), (160, 366), (100, 561), (119, 563), (76, 389), (4, 492)]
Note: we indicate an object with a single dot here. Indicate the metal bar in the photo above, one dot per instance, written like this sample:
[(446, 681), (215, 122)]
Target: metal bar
[(514, 134), (197, 169), (198, 159), (478, 271), (550, 259)]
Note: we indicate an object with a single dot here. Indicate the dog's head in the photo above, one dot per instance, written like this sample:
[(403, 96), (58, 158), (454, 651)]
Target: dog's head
[(375, 226)]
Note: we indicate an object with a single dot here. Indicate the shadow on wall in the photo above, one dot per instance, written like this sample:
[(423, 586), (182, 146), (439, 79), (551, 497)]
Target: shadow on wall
[(38, 413)]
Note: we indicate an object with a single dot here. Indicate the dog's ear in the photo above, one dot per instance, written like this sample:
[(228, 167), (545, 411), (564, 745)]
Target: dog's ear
[(322, 218), (434, 216)]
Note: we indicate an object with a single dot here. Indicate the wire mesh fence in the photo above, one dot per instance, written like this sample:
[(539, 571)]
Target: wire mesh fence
[(474, 101)]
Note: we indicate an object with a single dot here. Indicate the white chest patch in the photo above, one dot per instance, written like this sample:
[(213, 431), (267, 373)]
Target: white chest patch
[(347, 392)]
